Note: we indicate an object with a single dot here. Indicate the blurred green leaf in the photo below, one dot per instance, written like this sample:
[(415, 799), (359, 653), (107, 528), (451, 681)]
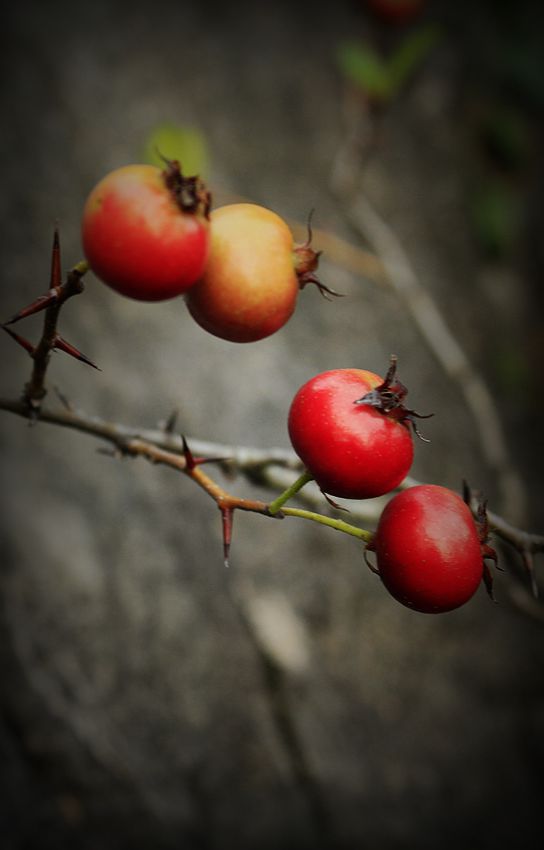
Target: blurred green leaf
[(508, 136), (521, 64), (409, 56), (365, 68), (496, 217), (512, 369), (382, 79), (185, 144)]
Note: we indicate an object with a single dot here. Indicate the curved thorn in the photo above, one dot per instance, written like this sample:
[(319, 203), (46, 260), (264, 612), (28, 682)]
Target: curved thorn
[(40, 303), (62, 345), (24, 343), (227, 515), (56, 273), (187, 454)]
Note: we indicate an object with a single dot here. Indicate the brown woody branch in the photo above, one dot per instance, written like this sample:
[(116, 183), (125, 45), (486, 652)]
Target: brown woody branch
[(267, 467), (273, 468)]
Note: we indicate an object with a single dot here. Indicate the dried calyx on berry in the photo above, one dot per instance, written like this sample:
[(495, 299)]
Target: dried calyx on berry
[(481, 520), (189, 193), (306, 261), (389, 397)]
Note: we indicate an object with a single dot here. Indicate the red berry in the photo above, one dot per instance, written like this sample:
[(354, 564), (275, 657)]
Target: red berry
[(352, 449), (428, 549), (145, 231), (251, 282)]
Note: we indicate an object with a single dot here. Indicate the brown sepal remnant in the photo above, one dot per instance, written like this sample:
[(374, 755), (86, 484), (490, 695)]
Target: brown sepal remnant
[(306, 261), (189, 193), (482, 527), (334, 504), (389, 397), (369, 547)]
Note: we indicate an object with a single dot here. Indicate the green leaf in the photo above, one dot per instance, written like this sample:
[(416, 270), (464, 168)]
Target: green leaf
[(365, 68), (496, 217), (409, 56), (507, 132), (186, 144), (512, 369)]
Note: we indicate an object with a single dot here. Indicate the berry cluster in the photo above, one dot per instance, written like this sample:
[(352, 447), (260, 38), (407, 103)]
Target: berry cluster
[(351, 429), (150, 234)]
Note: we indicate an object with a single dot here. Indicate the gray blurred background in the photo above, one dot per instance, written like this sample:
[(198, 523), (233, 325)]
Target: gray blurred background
[(150, 698)]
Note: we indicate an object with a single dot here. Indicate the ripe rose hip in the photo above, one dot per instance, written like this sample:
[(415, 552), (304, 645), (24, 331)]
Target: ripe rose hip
[(350, 428), (145, 231), (250, 285), (428, 549)]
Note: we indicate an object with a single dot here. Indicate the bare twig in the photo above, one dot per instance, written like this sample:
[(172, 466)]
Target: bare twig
[(275, 469), (245, 459), (400, 275), (444, 346)]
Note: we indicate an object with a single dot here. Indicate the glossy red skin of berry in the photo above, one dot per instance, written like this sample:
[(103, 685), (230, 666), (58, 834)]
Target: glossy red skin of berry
[(136, 238), (249, 288), (428, 550), (353, 451)]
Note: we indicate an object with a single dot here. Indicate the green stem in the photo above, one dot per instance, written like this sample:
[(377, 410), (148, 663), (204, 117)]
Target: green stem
[(291, 491), (338, 524), (81, 268)]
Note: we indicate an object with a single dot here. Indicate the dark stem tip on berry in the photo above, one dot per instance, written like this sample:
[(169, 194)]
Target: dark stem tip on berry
[(388, 398), (482, 527), (325, 291), (306, 261), (374, 569), (189, 193)]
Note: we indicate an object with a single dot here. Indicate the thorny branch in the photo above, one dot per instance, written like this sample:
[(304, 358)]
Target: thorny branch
[(275, 469), (51, 303), (269, 467)]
